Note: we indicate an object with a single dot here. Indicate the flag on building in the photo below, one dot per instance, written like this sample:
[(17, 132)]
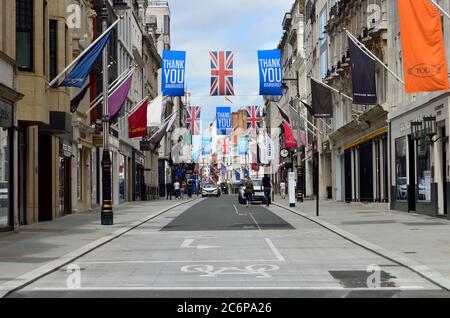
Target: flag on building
[(221, 73), (119, 96), (193, 119), (363, 75), (237, 175), (284, 114), (137, 121), (253, 119), (154, 115), (322, 100), (223, 169), (289, 140), (80, 72), (298, 126), (424, 59)]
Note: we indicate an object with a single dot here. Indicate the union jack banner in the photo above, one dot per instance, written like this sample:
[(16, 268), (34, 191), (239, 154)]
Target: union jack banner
[(253, 119), (192, 119), (226, 146), (222, 73)]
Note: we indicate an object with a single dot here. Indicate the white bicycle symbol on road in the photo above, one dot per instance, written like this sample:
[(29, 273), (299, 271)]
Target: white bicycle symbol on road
[(261, 271)]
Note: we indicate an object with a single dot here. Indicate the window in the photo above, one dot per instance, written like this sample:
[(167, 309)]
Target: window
[(24, 34), (400, 169), (324, 64), (53, 62), (166, 24)]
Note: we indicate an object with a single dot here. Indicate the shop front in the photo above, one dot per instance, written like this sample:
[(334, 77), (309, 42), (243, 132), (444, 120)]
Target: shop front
[(6, 160), (419, 141)]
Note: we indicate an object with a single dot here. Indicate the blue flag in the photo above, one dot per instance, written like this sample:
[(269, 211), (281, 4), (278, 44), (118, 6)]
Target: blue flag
[(246, 173), (173, 73), (237, 175), (270, 72), (80, 72), (243, 146), (223, 118), (206, 145)]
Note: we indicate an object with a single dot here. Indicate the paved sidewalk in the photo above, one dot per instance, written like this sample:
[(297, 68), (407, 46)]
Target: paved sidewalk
[(42, 246), (423, 242)]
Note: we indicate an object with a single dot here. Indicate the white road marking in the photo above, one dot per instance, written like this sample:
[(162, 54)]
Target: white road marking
[(188, 244), (254, 220), (184, 288), (258, 270), (275, 250), (180, 261), (235, 208)]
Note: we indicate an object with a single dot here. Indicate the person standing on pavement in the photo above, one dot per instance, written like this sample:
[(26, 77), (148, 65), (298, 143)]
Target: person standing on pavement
[(176, 186), (248, 191), (190, 187), (283, 189), (169, 190), (267, 185)]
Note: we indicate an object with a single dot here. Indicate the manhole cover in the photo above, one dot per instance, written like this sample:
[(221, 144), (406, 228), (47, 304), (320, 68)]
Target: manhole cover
[(358, 279)]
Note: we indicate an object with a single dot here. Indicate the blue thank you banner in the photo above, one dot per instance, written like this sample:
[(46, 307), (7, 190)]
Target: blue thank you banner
[(173, 73), (243, 146), (206, 145), (223, 118), (270, 72)]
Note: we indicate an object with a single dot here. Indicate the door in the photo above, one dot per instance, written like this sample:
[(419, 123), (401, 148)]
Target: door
[(45, 178), (348, 175), (412, 175), (443, 169), (366, 172)]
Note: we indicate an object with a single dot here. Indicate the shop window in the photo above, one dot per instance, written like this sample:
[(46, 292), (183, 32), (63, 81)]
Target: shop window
[(400, 169), (24, 34), (423, 172), (4, 178)]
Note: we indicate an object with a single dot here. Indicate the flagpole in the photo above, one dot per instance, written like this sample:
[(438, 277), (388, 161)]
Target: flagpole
[(373, 56), (113, 88), (332, 88), (441, 9), (53, 82)]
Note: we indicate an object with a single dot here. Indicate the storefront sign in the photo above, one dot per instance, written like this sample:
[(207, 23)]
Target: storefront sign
[(6, 115), (66, 150)]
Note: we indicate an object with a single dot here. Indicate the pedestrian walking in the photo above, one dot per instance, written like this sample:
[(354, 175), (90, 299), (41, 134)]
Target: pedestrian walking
[(169, 191), (190, 188), (183, 189), (176, 186), (248, 191), (267, 186), (283, 189)]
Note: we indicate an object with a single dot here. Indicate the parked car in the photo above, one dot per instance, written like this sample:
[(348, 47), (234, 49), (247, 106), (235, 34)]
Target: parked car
[(3, 194), (210, 190), (402, 188), (258, 192)]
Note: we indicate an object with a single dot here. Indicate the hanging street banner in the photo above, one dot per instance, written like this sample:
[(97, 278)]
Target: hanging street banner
[(173, 73), (223, 118), (269, 148), (206, 145), (270, 72), (363, 75), (322, 100), (137, 121), (222, 73), (423, 47), (243, 146)]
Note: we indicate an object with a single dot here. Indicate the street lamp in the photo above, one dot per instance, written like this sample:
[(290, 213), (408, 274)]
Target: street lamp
[(107, 216), (416, 130)]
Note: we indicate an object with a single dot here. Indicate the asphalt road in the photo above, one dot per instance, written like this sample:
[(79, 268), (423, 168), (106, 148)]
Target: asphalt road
[(217, 248)]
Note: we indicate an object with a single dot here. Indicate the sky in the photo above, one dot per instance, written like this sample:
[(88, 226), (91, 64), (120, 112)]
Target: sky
[(242, 26)]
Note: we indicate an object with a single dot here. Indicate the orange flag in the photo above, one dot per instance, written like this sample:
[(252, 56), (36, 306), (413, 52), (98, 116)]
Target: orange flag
[(425, 66), (137, 121)]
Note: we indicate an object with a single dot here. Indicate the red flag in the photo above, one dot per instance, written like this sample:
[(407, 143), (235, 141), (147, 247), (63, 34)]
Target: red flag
[(137, 122), (423, 46), (289, 140)]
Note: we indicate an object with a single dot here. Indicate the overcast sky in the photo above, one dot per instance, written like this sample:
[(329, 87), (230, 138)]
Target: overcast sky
[(242, 26)]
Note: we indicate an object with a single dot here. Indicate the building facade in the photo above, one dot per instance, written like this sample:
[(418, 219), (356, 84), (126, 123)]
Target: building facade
[(419, 169), (352, 147), (9, 96)]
